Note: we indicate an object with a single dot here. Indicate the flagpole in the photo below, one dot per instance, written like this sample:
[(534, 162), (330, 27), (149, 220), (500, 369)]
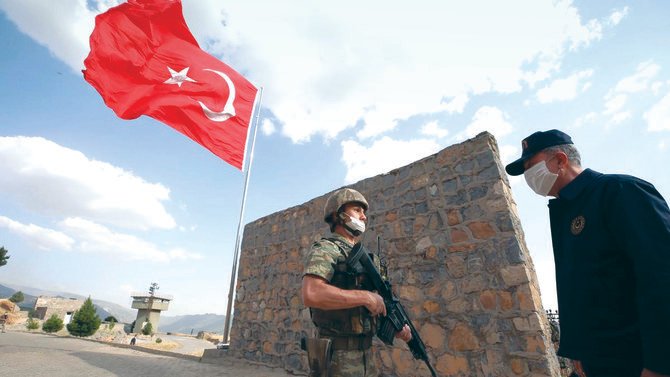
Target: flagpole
[(238, 240)]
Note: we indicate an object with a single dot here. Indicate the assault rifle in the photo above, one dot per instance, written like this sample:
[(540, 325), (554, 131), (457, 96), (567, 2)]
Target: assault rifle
[(359, 260)]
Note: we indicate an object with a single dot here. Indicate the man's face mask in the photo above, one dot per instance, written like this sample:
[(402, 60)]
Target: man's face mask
[(539, 178), (354, 226)]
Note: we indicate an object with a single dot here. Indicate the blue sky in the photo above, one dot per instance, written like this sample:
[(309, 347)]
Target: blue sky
[(93, 204)]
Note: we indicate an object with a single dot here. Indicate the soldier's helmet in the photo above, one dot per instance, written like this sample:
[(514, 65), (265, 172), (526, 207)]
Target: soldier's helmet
[(340, 198)]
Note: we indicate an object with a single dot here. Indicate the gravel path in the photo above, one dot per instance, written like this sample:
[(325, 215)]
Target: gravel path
[(38, 355)]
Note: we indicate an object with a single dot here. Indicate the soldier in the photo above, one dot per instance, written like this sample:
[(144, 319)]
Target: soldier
[(3, 320), (343, 309)]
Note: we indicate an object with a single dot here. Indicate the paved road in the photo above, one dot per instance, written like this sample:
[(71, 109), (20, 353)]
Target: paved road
[(37, 355), (188, 345)]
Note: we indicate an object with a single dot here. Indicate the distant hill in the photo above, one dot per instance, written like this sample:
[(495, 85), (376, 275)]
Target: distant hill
[(176, 324), (102, 308), (195, 322)]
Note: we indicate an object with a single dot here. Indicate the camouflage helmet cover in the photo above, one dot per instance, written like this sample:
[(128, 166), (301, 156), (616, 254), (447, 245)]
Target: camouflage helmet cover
[(341, 197)]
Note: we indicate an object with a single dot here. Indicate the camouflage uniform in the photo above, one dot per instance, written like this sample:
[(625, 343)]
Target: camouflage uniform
[(321, 261)]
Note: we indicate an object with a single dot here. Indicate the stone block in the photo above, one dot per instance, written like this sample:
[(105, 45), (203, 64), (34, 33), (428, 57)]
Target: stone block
[(433, 335), (453, 217), (514, 275), (451, 365), (463, 338), (403, 361), (481, 230), (488, 300), (458, 235), (519, 366)]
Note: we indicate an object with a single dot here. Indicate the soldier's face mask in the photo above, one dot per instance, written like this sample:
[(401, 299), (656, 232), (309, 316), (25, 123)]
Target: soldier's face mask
[(353, 225), (539, 178)]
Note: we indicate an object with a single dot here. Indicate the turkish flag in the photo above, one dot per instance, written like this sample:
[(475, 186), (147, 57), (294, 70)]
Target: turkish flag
[(145, 61)]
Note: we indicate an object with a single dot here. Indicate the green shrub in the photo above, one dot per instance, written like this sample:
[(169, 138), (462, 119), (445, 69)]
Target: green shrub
[(148, 329), (111, 318), (32, 324), (53, 324), (159, 340)]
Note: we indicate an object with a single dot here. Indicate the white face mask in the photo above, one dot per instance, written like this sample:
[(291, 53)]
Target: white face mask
[(355, 226), (539, 178)]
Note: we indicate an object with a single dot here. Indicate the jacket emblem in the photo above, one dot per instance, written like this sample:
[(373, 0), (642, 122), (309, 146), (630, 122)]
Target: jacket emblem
[(577, 225)]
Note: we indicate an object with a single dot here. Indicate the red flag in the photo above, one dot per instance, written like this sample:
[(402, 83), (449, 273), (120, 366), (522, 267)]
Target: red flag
[(145, 61)]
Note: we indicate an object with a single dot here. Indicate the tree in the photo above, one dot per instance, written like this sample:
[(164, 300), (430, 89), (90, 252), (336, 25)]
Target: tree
[(85, 321), (53, 324), (17, 297), (153, 288), (3, 256), (148, 329)]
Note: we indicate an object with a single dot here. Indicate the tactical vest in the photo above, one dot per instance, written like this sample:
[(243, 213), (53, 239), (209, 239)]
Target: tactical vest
[(345, 322)]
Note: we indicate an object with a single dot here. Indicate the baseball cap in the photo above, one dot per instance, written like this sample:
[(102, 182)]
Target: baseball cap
[(535, 143)]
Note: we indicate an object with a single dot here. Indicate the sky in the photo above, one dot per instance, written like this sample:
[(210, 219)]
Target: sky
[(100, 206)]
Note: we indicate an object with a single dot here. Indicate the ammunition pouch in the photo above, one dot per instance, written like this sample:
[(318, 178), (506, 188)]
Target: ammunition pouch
[(319, 355), (351, 343)]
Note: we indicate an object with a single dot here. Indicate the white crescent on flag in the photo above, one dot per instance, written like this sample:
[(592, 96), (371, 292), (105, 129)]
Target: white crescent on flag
[(228, 109)]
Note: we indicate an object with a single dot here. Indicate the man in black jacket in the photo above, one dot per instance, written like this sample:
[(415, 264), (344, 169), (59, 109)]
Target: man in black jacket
[(611, 240)]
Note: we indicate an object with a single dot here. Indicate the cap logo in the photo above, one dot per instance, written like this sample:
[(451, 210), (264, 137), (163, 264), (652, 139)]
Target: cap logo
[(577, 225), (524, 144)]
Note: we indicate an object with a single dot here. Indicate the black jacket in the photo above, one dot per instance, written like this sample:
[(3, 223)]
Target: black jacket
[(611, 239)]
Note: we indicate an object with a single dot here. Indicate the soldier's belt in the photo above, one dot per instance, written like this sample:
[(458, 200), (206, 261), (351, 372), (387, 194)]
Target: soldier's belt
[(351, 343)]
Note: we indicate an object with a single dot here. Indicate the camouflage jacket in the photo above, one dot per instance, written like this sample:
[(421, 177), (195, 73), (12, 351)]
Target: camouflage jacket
[(326, 259)]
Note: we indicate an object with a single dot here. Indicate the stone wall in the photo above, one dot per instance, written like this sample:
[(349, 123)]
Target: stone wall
[(45, 306), (456, 258)]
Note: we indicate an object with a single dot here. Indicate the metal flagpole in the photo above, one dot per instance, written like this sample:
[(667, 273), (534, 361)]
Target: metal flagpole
[(238, 240)]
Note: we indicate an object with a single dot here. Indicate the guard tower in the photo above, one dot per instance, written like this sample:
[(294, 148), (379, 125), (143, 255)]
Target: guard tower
[(149, 307)]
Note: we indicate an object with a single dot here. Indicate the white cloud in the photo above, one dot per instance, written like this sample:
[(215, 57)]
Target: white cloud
[(384, 155), (656, 87), (95, 238), (323, 75), (617, 16), (658, 117), (617, 98), (64, 27), (565, 89), (490, 119), (54, 180), (583, 35), (615, 104), (619, 117), (433, 129), (457, 104), (42, 238), (268, 127), (588, 118), (126, 289), (508, 153), (640, 80)]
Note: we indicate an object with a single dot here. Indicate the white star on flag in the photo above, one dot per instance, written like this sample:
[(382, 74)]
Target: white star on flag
[(178, 77)]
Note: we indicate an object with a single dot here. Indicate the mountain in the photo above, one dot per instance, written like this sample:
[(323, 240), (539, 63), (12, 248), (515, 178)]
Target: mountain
[(102, 308), (28, 300), (187, 324), (177, 324)]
